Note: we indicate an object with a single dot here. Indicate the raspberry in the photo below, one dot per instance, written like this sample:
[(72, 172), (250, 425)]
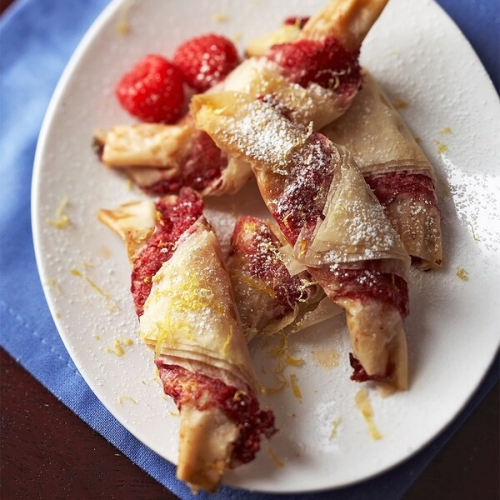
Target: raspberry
[(153, 90), (206, 60)]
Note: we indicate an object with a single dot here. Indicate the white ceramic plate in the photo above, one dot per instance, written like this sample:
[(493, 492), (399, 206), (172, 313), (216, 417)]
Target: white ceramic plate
[(419, 56)]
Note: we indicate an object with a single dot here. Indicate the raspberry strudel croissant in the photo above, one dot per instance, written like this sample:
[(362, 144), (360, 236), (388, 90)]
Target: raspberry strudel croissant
[(187, 315), (312, 79), (326, 211), (396, 169), (268, 296)]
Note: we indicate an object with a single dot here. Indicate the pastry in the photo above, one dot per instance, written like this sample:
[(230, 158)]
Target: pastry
[(187, 315), (269, 295), (396, 169), (327, 212)]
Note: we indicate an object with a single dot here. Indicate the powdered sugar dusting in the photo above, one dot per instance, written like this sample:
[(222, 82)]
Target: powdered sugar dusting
[(476, 200), (261, 134), (371, 234)]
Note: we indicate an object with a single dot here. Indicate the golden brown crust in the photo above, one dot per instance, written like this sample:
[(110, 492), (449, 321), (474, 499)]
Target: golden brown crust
[(349, 21), (285, 34), (205, 443), (147, 145), (152, 154), (134, 222), (202, 329), (378, 340)]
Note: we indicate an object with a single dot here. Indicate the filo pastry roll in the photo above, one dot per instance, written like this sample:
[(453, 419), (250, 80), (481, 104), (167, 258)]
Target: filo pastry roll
[(187, 315), (271, 296), (396, 169), (329, 215)]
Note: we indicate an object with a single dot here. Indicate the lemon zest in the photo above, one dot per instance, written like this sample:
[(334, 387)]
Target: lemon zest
[(295, 386), (122, 24), (61, 219), (474, 236), (363, 405), (399, 103), (220, 18), (124, 397), (118, 347), (55, 284), (99, 290), (255, 284), (228, 339), (274, 457), (191, 296), (441, 147), (335, 426), (271, 390)]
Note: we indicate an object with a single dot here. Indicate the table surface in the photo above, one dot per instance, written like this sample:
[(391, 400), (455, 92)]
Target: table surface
[(44, 447)]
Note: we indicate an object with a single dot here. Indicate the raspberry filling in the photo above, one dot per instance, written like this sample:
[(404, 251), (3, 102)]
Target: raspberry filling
[(365, 285), (173, 219), (202, 167), (370, 284), (263, 263), (325, 62), (302, 200), (301, 205), (387, 187), (240, 407), (359, 374)]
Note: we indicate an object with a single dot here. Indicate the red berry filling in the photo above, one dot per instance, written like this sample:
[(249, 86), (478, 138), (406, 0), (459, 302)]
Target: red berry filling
[(174, 217), (240, 407), (324, 62), (203, 166), (359, 373)]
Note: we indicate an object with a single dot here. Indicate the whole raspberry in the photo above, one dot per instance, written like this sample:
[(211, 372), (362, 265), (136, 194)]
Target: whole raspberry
[(206, 60), (153, 90)]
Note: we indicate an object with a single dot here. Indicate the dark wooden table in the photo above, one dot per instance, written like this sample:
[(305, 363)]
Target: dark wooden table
[(47, 452)]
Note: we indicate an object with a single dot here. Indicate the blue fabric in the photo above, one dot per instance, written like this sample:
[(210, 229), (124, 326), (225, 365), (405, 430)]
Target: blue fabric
[(37, 38)]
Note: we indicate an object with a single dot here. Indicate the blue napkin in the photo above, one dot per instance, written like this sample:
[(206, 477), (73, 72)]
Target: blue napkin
[(37, 37)]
